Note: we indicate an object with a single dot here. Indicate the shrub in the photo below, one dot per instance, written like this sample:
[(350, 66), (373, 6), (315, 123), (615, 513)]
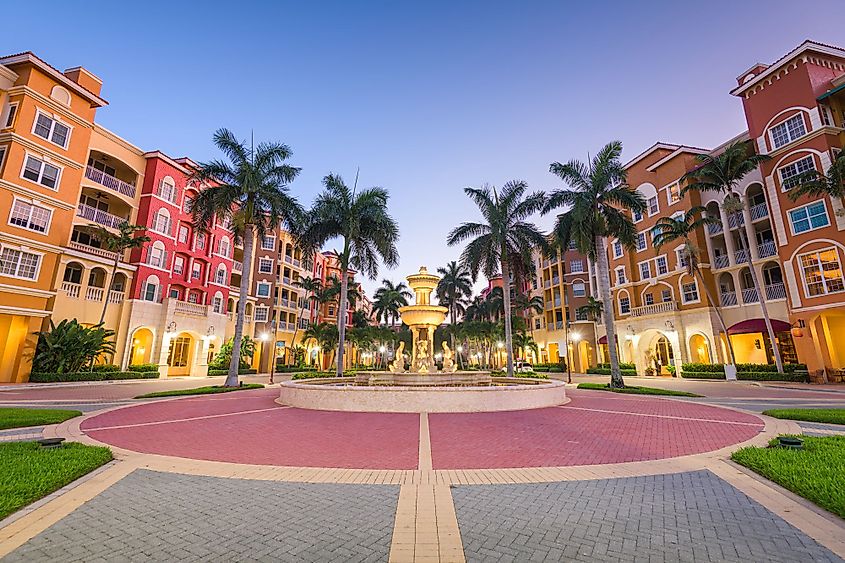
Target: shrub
[(606, 371), (294, 369), (321, 374), (105, 367), (144, 367), (242, 371), (747, 372), (713, 368), (41, 377), (533, 375), (70, 347), (702, 375), (224, 356)]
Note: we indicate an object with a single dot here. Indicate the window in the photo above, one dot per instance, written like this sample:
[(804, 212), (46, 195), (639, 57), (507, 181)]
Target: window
[(624, 305), (41, 172), (161, 223), (217, 304), (645, 270), (220, 275), (641, 242), (673, 193), (265, 265), (666, 295), (662, 265), (268, 242), (809, 217), (157, 256), (620, 276), (224, 247), (186, 205), (196, 271), (10, 117), (60, 95), (19, 264), (683, 258), (791, 173), (576, 266), (649, 299), (653, 206), (174, 293), (261, 314), (2, 156), (193, 297), (167, 189), (690, 292), (571, 245), (822, 272), (788, 131), (638, 216), (183, 233), (48, 128), (263, 289), (617, 249), (151, 289), (827, 119), (29, 216), (200, 242), (178, 265), (579, 289)]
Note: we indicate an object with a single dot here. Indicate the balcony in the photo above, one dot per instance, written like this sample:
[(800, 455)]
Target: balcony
[(720, 261), (548, 304), (98, 216), (92, 250), (728, 298), (736, 220), (557, 302), (109, 181), (286, 280), (759, 211), (237, 266), (71, 289), (116, 297), (741, 256), (775, 291), (714, 228), (285, 303), (187, 309), (94, 294), (288, 259), (555, 280), (655, 309), (547, 284), (750, 295), (296, 263), (766, 249)]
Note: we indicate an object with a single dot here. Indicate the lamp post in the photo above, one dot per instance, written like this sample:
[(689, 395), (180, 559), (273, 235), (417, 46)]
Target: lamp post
[(574, 337), (460, 349)]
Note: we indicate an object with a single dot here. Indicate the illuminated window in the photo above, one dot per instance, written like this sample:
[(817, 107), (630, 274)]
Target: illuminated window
[(822, 272)]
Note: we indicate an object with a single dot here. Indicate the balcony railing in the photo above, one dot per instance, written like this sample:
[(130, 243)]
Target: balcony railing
[(71, 289), (303, 324), (92, 250), (296, 263), (720, 261), (237, 266), (248, 319), (750, 295), (109, 181), (285, 303), (116, 297), (759, 211), (728, 298), (98, 216), (555, 280), (714, 228), (655, 309), (547, 284), (736, 220), (766, 249), (557, 302), (286, 280), (549, 304), (776, 291), (741, 256), (191, 309), (559, 325), (94, 294), (288, 259)]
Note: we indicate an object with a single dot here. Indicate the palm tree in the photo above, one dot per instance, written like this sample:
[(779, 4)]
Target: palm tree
[(477, 310), (669, 230), (325, 335), (816, 184), (591, 309), (250, 190), (310, 286), (722, 174), (503, 242), (118, 243), (368, 232), (389, 298), (453, 289), (524, 342), (599, 202)]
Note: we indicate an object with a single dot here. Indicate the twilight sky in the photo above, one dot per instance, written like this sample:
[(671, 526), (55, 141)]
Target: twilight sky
[(425, 98)]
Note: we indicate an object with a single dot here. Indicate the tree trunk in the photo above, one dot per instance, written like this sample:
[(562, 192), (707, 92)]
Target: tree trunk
[(506, 298), (108, 289), (718, 310), (609, 315), (235, 363), (341, 313), (761, 295)]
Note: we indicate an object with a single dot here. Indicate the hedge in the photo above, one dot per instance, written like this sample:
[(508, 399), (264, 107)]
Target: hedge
[(91, 376), (144, 367), (250, 371), (747, 372), (553, 368), (107, 367), (320, 374), (294, 369), (606, 371)]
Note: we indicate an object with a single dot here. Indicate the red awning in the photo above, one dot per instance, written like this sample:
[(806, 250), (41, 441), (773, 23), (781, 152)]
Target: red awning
[(758, 325), (603, 339)]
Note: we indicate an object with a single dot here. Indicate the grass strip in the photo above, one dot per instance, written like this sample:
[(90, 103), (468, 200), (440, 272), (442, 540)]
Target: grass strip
[(825, 416), (20, 417), (816, 473), (633, 390), (29, 472), (211, 390)]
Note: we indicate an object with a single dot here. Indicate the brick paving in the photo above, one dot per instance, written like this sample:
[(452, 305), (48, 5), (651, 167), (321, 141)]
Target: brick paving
[(692, 516), (151, 516)]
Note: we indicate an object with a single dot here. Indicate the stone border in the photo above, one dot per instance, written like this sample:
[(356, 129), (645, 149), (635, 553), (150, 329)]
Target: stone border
[(402, 399)]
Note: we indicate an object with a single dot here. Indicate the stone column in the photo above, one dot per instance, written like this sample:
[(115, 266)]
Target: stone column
[(749, 232), (729, 239)]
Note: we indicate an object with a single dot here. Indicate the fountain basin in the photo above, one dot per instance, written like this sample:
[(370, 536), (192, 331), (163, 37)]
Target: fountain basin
[(502, 394), (435, 379)]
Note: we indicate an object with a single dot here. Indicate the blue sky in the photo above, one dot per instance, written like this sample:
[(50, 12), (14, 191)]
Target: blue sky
[(425, 97)]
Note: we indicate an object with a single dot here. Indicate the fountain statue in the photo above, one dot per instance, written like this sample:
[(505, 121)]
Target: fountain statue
[(422, 318), (449, 365), (398, 365)]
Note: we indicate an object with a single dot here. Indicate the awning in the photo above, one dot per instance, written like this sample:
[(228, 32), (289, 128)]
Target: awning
[(603, 339), (829, 93), (758, 325)]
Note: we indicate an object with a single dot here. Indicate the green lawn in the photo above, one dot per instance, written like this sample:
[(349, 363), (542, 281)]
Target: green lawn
[(29, 472), (827, 416), (817, 472), (211, 390), (20, 418), (636, 390)]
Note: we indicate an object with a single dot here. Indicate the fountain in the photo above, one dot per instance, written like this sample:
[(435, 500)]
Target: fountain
[(422, 387)]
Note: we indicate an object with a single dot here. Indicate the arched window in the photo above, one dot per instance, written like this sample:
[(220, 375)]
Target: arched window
[(224, 247), (217, 303), (97, 278), (73, 273), (157, 255), (624, 302), (60, 95), (151, 289), (220, 275), (162, 221), (167, 189)]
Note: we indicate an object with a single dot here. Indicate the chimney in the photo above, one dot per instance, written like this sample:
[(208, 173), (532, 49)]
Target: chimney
[(85, 79)]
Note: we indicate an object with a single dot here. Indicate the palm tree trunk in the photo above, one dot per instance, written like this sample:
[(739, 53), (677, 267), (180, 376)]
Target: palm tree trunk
[(718, 311), (341, 315), (107, 291), (235, 362), (506, 297), (609, 316), (761, 295)]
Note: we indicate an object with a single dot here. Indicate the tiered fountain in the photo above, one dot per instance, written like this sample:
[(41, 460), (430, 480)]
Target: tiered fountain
[(422, 387)]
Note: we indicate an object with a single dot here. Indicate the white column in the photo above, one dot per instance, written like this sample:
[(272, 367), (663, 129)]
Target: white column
[(162, 354), (729, 240), (749, 232)]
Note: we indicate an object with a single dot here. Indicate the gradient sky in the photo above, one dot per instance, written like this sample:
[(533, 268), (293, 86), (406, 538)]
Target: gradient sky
[(425, 98)]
